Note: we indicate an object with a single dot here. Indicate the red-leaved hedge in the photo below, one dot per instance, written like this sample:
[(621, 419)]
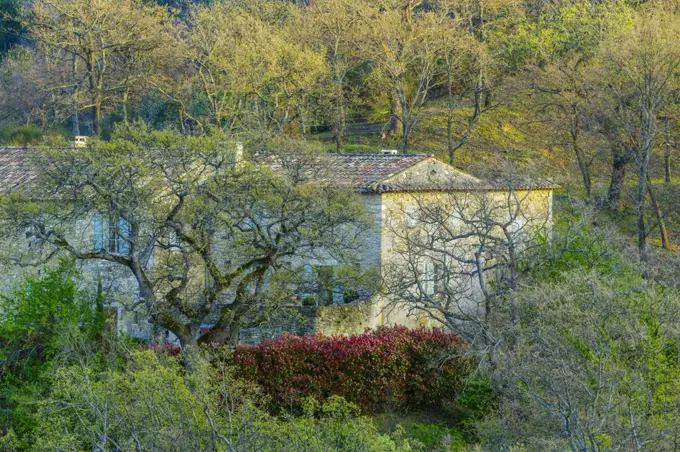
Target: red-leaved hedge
[(388, 365)]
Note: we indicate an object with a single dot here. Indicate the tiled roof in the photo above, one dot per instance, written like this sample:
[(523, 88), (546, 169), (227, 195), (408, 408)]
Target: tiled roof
[(378, 173), (485, 186), (363, 172), (15, 170)]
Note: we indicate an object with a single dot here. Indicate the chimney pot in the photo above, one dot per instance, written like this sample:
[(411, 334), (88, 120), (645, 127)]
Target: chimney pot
[(80, 141)]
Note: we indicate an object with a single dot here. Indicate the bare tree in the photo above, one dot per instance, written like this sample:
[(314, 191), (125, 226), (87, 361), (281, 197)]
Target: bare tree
[(456, 258), (644, 68), (118, 43)]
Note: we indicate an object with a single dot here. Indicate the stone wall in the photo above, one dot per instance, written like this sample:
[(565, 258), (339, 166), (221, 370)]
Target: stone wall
[(118, 283), (296, 320), (347, 319), (398, 211)]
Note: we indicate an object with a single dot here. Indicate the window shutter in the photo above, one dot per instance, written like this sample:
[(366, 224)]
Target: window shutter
[(428, 283), (438, 279), (338, 295), (123, 237), (98, 232)]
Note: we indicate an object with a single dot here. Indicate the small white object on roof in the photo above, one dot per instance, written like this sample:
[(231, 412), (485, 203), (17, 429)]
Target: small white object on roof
[(389, 152)]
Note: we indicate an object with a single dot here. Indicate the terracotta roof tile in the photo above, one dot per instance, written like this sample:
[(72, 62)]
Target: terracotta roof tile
[(365, 171), (362, 172), (15, 170)]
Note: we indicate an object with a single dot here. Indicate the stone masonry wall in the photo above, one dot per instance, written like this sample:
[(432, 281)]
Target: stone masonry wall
[(388, 210), (397, 207), (118, 283)]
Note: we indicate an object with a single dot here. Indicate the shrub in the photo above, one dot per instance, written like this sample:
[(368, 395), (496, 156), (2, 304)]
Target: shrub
[(149, 401), (20, 135), (388, 365), (168, 347), (34, 321)]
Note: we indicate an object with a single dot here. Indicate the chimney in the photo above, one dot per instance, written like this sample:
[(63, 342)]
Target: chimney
[(389, 152), (80, 141)]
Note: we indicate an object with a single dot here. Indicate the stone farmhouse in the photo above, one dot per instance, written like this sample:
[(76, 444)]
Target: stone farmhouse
[(391, 185)]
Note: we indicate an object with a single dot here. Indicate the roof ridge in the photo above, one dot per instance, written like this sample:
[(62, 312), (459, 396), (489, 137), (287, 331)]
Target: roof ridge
[(367, 154)]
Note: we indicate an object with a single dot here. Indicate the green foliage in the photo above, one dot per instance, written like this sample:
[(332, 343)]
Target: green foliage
[(430, 435), (358, 149), (152, 401), (33, 322), (339, 425), (594, 356), (20, 135), (477, 397), (11, 31), (573, 32)]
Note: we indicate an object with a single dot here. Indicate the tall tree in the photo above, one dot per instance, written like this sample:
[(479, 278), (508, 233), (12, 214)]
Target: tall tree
[(643, 81), (484, 23), (241, 69), (460, 53), (118, 44), (403, 51), (566, 44), (335, 26), (209, 238)]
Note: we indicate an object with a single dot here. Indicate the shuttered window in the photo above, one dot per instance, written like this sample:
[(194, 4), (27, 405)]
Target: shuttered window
[(112, 234)]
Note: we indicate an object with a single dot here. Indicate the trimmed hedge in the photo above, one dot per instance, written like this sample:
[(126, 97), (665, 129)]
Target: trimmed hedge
[(389, 365)]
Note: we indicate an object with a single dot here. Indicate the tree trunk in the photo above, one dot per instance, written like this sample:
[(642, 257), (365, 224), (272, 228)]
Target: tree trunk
[(449, 116), (583, 168), (404, 139), (340, 122), (75, 122), (405, 121), (95, 96), (479, 89), (619, 163), (486, 89), (393, 124), (667, 165), (665, 240), (125, 110), (96, 117), (642, 190), (580, 157)]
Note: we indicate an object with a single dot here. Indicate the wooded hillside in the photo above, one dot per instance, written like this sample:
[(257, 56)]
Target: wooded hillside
[(575, 343)]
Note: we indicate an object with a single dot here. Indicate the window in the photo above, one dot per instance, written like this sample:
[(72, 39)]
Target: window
[(112, 234), (320, 283), (434, 278), (411, 216)]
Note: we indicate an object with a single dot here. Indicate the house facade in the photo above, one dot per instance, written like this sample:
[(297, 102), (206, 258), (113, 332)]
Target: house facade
[(394, 188)]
